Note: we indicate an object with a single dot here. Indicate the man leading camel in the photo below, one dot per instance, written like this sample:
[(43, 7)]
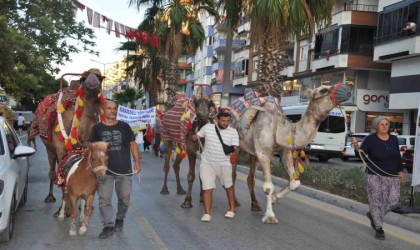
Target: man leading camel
[(215, 163)]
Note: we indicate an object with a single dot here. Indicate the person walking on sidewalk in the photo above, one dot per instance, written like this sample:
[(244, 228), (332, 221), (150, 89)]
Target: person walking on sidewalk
[(20, 122), (384, 173), (122, 141), (215, 163)]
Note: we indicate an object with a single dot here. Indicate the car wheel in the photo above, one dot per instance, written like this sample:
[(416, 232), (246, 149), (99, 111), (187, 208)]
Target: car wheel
[(323, 158), (344, 158), (24, 197), (7, 234)]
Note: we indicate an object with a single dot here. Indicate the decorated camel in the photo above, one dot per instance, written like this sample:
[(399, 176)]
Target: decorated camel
[(265, 129), (64, 120), (179, 124)]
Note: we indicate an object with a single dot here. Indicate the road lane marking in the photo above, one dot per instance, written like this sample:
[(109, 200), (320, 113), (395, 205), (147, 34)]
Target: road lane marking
[(291, 195), (151, 234)]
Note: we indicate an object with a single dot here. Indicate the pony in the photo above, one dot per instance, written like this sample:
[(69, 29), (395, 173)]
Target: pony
[(81, 182)]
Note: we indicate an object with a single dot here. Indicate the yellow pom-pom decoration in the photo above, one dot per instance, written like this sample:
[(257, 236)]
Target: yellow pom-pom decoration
[(289, 140), (295, 176), (73, 141), (79, 102), (300, 168), (302, 154), (75, 122), (184, 104), (188, 115), (183, 117), (57, 128), (178, 150), (60, 108), (294, 154)]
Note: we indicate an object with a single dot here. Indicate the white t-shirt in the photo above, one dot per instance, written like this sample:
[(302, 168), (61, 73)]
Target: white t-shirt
[(139, 137), (213, 154), (20, 120)]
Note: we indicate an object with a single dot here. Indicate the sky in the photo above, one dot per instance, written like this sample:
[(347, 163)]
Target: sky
[(105, 43)]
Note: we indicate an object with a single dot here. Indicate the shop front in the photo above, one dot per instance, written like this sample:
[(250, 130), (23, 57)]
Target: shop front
[(374, 103)]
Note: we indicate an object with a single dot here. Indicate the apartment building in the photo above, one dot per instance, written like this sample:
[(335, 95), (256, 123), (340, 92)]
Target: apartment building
[(398, 43), (371, 59)]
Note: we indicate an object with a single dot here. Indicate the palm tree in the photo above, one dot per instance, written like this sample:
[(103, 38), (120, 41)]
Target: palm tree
[(128, 96), (273, 22), (179, 20)]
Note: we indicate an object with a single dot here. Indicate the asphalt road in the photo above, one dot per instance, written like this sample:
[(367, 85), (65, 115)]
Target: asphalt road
[(156, 221)]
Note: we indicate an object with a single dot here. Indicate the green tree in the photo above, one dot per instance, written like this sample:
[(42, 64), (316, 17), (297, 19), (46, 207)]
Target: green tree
[(179, 21), (34, 36), (128, 96), (273, 23)]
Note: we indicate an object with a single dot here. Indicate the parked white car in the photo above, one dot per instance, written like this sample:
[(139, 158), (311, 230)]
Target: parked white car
[(14, 166), (348, 150), (405, 141)]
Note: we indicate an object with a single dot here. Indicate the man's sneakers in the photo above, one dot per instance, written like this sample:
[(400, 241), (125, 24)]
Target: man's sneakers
[(380, 234), (118, 226), (229, 215), (106, 232), (206, 218)]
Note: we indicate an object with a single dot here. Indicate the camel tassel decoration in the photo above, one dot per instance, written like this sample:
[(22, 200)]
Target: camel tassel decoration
[(70, 140)]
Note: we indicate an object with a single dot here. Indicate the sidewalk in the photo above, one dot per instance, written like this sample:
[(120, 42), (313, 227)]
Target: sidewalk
[(408, 221)]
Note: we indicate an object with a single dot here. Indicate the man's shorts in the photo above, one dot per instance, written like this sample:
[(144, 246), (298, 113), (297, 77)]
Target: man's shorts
[(208, 176)]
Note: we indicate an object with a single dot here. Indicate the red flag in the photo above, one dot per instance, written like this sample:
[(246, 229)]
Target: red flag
[(122, 29), (96, 20), (109, 25), (81, 6), (155, 40), (146, 37), (104, 18), (138, 35), (149, 133)]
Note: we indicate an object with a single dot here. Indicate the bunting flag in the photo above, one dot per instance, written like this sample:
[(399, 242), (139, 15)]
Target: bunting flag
[(94, 19), (89, 15), (109, 25), (117, 29)]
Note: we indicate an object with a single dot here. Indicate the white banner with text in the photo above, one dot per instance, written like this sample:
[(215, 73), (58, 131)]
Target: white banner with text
[(137, 119)]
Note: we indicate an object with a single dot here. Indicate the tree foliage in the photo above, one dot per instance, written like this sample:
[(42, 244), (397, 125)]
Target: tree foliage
[(34, 41)]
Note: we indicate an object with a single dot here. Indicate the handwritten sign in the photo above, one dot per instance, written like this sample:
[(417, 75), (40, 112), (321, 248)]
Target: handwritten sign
[(137, 119)]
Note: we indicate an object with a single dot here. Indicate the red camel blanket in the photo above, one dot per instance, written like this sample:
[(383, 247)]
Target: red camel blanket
[(172, 127)]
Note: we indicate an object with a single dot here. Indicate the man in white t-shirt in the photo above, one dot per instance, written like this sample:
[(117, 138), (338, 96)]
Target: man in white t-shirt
[(215, 163), (20, 121)]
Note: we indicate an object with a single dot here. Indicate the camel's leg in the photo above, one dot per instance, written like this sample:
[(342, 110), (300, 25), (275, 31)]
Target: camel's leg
[(287, 161), (177, 167), (73, 203), (255, 205), (234, 168), (167, 154), (268, 186), (192, 158), (52, 159)]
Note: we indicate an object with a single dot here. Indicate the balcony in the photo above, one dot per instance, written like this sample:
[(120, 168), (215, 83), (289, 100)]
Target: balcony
[(210, 31), (209, 51), (182, 81), (184, 65), (208, 71), (355, 7), (220, 65), (220, 45)]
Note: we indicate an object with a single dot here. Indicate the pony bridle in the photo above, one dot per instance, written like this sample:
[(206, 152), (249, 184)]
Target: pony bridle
[(95, 169)]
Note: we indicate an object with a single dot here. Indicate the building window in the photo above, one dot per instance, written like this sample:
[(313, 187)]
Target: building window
[(393, 22), (304, 52), (241, 68), (210, 40)]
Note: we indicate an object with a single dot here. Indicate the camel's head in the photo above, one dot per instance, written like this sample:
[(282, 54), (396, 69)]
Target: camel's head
[(332, 95), (204, 107), (92, 82)]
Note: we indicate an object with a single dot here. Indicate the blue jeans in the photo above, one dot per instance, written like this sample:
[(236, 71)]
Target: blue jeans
[(106, 189)]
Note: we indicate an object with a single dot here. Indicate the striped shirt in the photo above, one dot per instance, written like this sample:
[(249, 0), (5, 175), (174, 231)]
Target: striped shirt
[(213, 154)]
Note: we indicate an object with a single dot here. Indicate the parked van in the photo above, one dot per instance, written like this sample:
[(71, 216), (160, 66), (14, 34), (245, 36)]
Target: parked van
[(330, 139)]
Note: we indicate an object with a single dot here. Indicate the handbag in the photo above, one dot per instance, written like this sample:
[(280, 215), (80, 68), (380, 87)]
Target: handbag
[(226, 148)]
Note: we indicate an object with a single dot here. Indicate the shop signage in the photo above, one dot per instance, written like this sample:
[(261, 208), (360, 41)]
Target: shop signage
[(373, 100)]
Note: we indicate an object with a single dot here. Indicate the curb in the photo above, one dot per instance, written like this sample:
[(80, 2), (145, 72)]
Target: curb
[(403, 221)]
